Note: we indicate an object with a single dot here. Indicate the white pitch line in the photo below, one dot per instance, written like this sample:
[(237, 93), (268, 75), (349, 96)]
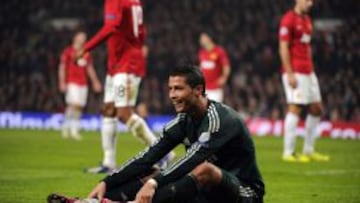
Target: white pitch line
[(332, 172)]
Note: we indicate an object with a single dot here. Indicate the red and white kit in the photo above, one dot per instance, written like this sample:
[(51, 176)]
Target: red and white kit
[(76, 76), (297, 30), (212, 63), (126, 62)]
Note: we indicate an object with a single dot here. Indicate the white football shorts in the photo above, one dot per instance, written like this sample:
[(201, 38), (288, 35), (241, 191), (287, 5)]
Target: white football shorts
[(122, 89), (306, 92), (215, 94), (76, 94)]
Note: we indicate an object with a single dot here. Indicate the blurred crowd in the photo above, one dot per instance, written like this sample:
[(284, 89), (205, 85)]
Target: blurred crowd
[(30, 48)]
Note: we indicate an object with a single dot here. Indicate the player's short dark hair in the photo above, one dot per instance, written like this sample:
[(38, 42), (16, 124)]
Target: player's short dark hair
[(192, 74)]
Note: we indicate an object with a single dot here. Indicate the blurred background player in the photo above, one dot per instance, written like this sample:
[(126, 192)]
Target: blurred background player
[(73, 82), (300, 82), (214, 64), (124, 31)]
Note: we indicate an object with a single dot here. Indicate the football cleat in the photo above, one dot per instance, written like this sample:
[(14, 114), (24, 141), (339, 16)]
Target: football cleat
[(100, 170), (318, 157), (76, 136), (166, 160), (65, 133), (57, 198), (296, 158)]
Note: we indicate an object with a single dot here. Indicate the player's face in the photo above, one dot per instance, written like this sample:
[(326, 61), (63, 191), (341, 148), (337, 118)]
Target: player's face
[(204, 40), (181, 94), (80, 38), (305, 5)]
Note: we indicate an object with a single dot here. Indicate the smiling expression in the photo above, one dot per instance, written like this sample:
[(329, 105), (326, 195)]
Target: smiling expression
[(183, 96)]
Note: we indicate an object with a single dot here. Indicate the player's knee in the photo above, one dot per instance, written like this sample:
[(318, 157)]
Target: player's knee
[(108, 110), (316, 109), (206, 173), (293, 108), (124, 114)]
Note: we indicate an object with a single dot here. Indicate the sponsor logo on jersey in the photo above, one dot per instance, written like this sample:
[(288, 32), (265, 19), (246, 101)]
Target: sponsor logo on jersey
[(284, 31), (81, 62), (110, 16), (305, 38), (207, 64), (213, 56), (204, 137)]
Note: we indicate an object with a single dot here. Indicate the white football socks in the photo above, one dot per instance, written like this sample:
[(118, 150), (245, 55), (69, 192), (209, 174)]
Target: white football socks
[(66, 124), (140, 129), (311, 123), (75, 124), (71, 125), (290, 125), (109, 140)]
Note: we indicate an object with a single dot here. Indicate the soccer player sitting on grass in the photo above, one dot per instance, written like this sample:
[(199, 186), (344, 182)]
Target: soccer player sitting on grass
[(219, 164)]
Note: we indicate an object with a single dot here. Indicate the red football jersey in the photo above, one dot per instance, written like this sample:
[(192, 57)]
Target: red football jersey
[(76, 72), (297, 30), (124, 31), (211, 64)]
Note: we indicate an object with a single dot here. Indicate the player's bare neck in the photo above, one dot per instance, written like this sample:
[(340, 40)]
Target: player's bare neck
[(299, 12), (200, 109), (210, 47), (76, 46)]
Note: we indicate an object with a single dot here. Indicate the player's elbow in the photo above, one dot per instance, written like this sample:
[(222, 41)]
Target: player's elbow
[(109, 29)]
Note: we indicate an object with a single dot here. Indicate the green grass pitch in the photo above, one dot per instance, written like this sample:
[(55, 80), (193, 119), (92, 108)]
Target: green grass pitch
[(36, 163)]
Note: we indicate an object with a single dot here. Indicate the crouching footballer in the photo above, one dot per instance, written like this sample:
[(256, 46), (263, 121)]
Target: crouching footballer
[(219, 164)]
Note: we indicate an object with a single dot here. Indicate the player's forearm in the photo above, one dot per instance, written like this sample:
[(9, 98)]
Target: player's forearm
[(226, 73), (62, 73), (310, 54), (140, 163), (100, 36), (92, 74), (285, 58), (193, 158)]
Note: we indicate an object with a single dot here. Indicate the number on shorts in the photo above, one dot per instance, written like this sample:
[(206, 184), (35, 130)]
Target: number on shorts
[(120, 91)]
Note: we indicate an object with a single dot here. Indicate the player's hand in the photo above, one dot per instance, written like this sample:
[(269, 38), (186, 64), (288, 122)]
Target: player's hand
[(79, 54), (62, 87), (146, 193), (98, 191), (97, 87), (292, 80), (221, 81)]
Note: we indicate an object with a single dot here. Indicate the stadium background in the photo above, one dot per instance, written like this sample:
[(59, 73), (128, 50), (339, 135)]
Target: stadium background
[(33, 33), (33, 39)]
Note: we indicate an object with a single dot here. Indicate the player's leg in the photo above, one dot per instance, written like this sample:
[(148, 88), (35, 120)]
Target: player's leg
[(127, 191), (315, 110), (74, 121), (109, 135), (108, 130), (75, 100), (65, 129), (185, 190), (295, 97), (127, 86), (222, 186), (290, 124), (209, 181), (78, 103)]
